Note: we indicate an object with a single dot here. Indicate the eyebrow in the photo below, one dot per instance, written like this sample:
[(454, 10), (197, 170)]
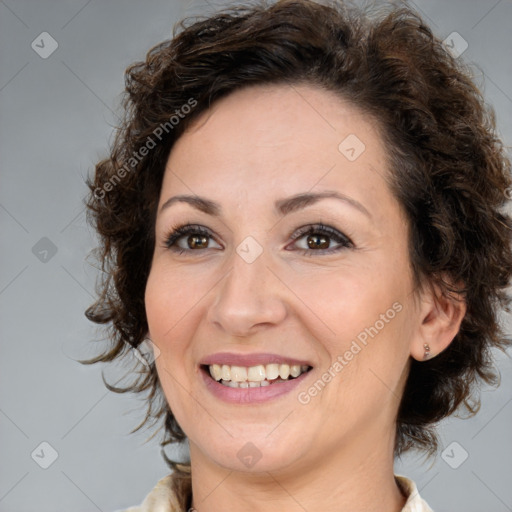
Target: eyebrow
[(283, 206)]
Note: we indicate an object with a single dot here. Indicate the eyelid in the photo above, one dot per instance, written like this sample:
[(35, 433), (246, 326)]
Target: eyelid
[(321, 228), (344, 242), (181, 230)]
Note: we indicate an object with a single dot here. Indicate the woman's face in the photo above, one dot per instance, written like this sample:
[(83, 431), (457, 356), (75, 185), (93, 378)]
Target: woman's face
[(296, 259)]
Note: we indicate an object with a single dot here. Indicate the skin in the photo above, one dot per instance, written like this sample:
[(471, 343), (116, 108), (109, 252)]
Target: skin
[(252, 148)]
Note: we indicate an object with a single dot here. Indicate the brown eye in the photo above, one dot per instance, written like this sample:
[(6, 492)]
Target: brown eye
[(189, 238), (318, 242), (195, 241), (319, 238)]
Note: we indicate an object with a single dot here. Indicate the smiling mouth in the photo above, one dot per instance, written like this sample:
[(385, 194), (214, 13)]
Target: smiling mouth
[(254, 376)]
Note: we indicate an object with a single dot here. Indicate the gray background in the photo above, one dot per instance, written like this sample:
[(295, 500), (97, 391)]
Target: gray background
[(56, 119)]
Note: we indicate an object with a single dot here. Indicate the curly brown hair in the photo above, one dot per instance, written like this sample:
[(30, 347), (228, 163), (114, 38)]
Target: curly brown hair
[(448, 170)]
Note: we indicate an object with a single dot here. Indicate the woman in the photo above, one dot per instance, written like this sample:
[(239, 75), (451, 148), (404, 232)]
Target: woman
[(301, 216)]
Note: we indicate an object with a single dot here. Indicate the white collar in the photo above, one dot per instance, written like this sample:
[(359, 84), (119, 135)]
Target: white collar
[(163, 497)]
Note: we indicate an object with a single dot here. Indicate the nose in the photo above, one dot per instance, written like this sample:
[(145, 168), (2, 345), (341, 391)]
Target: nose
[(248, 299)]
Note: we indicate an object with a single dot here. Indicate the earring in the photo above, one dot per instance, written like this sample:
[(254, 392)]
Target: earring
[(426, 355)]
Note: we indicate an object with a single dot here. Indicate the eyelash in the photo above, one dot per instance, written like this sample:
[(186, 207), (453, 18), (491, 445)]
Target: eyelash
[(179, 231)]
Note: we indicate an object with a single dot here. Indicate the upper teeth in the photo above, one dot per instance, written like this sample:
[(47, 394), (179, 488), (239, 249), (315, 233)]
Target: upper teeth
[(255, 373)]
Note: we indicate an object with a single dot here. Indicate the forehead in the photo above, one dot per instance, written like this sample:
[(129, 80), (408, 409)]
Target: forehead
[(264, 142)]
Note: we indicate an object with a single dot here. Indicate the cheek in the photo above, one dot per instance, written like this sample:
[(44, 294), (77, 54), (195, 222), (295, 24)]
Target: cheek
[(347, 300), (170, 315), (170, 297), (360, 317)]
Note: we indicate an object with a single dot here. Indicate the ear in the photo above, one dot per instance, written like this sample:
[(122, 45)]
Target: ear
[(440, 316)]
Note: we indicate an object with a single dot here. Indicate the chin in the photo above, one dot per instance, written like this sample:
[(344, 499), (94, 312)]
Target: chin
[(254, 461)]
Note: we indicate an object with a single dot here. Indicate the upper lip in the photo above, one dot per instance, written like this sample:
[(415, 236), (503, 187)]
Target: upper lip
[(251, 359)]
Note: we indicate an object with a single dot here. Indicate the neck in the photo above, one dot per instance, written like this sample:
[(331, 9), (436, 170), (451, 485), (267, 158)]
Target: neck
[(359, 478)]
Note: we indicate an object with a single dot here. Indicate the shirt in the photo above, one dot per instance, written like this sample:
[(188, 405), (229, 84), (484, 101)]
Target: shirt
[(173, 493)]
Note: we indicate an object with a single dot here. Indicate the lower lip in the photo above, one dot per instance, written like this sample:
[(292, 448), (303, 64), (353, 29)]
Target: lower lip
[(250, 395)]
